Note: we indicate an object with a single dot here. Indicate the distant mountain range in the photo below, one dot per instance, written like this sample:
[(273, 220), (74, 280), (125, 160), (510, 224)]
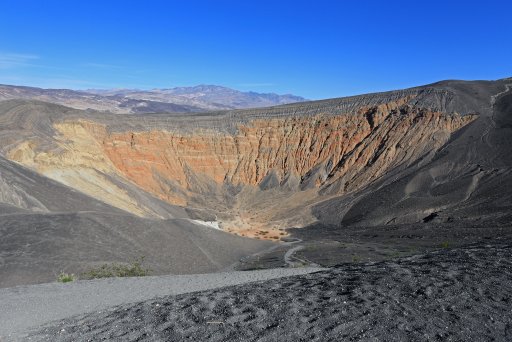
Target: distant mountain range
[(124, 101)]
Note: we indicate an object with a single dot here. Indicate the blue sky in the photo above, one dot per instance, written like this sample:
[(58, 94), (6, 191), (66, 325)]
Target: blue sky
[(317, 49)]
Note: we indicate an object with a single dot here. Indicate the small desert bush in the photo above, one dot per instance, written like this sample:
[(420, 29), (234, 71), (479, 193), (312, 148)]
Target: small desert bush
[(445, 244), (66, 277), (134, 269), (395, 254)]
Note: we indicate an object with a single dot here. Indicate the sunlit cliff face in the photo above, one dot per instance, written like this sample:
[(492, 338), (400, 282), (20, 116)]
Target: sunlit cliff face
[(257, 180)]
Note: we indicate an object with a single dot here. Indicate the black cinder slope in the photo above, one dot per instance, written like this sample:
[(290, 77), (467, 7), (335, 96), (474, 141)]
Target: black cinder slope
[(465, 180), (47, 228)]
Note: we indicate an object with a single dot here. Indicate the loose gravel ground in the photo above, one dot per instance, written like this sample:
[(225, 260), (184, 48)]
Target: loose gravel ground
[(460, 294), (27, 307)]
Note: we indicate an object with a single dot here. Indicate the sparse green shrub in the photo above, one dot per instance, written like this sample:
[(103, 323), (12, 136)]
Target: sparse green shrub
[(66, 277), (299, 264), (134, 269), (445, 244)]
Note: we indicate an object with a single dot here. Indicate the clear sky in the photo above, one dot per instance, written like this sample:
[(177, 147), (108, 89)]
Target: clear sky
[(317, 49)]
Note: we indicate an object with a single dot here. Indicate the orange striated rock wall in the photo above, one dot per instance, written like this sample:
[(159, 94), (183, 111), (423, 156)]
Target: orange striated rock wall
[(335, 153), (362, 145)]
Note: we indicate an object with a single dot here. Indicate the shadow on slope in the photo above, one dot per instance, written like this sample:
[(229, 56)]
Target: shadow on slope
[(466, 180), (47, 227), (35, 248)]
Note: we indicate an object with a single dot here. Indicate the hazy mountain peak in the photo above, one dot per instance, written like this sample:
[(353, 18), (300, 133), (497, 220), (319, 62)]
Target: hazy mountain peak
[(202, 97)]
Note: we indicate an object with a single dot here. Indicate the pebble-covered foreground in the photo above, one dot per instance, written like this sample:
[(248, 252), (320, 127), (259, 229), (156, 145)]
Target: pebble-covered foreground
[(461, 294)]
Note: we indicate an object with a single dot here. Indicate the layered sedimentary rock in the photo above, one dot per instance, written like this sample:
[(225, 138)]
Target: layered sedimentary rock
[(227, 172), (314, 151)]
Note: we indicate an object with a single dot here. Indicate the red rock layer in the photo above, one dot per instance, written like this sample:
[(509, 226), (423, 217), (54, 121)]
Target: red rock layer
[(357, 147)]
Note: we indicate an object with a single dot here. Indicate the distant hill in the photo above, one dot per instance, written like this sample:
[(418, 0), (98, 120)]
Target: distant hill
[(175, 100), (204, 96)]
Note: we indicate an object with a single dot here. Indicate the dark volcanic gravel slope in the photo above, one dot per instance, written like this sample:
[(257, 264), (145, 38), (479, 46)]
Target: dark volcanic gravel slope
[(460, 294)]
